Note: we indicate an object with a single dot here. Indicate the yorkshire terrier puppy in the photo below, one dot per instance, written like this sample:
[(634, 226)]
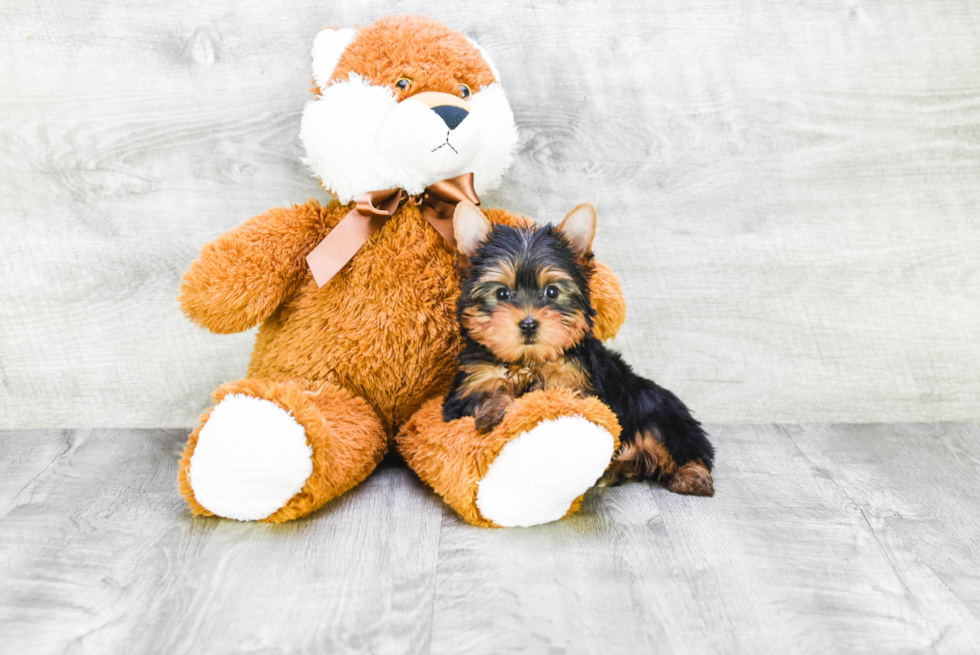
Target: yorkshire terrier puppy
[(526, 318)]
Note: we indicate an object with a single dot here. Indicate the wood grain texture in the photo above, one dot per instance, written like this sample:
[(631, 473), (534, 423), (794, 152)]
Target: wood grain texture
[(789, 556), (820, 539), (789, 192), (99, 555)]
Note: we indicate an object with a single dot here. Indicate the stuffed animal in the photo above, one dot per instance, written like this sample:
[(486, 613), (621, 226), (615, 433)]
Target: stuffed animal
[(356, 299)]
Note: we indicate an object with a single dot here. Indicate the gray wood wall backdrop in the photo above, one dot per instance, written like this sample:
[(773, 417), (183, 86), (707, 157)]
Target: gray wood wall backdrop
[(789, 191)]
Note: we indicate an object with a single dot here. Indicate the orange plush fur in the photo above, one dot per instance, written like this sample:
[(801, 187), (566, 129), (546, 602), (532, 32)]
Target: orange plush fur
[(355, 360), (411, 44), (453, 458), (393, 336), (346, 445)]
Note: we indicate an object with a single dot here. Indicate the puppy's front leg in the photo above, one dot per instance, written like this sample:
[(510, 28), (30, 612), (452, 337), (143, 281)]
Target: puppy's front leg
[(491, 411)]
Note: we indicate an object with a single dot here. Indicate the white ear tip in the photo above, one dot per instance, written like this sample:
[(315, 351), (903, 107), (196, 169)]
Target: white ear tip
[(328, 46), (466, 211), (579, 227), (470, 227), (583, 214), (586, 208)]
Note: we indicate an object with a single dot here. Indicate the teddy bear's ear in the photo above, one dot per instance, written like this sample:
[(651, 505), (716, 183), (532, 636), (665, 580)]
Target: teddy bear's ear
[(471, 227), (328, 46), (486, 58), (579, 228)]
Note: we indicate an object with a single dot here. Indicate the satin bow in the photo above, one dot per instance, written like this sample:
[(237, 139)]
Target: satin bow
[(374, 208)]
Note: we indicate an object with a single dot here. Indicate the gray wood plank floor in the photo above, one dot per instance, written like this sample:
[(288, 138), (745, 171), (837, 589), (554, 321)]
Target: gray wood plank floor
[(821, 539)]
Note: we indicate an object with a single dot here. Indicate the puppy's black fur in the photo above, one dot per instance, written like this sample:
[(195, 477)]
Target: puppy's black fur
[(522, 273)]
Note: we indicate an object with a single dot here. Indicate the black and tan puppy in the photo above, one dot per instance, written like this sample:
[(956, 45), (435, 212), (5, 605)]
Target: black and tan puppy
[(527, 321)]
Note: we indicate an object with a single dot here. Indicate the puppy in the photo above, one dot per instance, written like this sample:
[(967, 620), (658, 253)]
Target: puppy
[(526, 318)]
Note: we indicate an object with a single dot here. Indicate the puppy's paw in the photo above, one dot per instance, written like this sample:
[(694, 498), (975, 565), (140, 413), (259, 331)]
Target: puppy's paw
[(491, 413), (693, 479), (486, 422), (642, 457)]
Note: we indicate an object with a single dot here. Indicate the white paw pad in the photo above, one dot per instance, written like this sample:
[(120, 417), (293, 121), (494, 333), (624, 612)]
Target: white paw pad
[(251, 458), (538, 475)]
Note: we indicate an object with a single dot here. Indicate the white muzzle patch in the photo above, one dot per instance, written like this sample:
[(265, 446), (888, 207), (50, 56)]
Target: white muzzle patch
[(359, 138), (415, 136)]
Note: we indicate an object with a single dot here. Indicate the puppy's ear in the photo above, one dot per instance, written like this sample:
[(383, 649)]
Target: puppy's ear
[(471, 227), (579, 228)]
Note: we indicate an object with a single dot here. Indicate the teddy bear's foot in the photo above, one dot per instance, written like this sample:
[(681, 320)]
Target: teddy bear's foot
[(537, 476), (530, 469), (251, 458), (274, 451)]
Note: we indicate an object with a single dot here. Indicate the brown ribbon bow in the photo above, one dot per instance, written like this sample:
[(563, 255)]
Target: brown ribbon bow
[(374, 208)]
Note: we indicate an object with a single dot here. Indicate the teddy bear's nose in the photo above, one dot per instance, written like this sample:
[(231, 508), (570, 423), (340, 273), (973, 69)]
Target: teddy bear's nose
[(452, 116)]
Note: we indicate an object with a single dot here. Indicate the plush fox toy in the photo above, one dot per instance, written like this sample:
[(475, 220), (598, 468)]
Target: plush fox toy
[(356, 304)]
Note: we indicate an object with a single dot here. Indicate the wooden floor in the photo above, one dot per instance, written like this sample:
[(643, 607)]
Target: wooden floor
[(820, 539)]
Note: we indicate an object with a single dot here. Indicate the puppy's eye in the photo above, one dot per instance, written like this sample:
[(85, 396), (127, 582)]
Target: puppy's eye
[(551, 292), (503, 294), (464, 91), (403, 83)]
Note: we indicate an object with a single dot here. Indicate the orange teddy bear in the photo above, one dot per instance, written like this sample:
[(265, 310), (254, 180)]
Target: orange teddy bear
[(356, 303)]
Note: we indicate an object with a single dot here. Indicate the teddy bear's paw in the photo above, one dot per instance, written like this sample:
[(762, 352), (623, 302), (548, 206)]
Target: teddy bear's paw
[(251, 457), (537, 476)]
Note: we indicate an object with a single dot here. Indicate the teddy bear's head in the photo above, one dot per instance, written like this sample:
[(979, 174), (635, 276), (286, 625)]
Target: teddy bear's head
[(404, 103)]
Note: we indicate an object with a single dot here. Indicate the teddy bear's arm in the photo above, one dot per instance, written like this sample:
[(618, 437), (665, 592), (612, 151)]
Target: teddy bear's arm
[(246, 273), (604, 287)]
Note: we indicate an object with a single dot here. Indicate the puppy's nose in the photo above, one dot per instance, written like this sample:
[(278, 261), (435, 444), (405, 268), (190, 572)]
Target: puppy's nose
[(452, 116), (528, 325)]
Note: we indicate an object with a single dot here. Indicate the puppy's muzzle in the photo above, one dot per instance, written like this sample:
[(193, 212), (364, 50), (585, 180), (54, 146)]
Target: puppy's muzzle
[(449, 108)]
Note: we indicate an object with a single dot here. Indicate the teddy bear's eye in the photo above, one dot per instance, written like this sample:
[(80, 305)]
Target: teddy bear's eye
[(404, 83), (464, 91)]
